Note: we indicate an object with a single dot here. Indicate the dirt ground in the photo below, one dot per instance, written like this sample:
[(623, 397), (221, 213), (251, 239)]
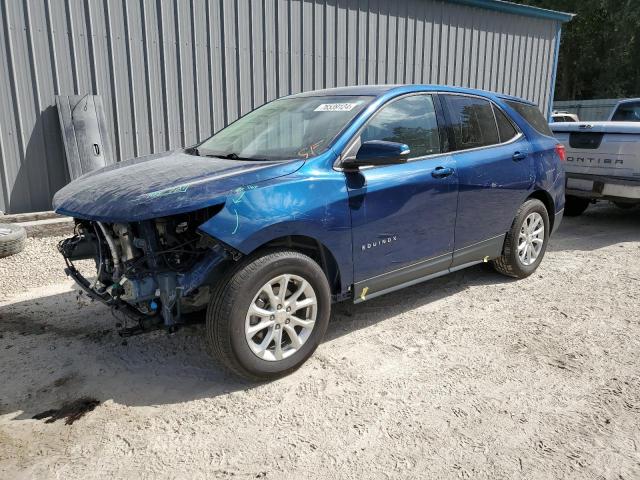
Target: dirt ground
[(471, 375)]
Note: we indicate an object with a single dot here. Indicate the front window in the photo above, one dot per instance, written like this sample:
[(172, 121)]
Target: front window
[(298, 127), (627, 112), (410, 120)]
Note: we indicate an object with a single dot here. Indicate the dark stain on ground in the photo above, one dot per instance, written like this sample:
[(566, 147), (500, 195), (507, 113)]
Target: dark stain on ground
[(70, 411)]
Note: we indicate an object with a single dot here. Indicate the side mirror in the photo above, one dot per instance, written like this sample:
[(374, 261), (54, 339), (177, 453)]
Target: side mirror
[(378, 152)]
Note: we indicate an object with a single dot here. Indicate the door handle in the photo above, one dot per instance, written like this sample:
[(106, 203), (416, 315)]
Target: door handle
[(441, 172), (519, 156)]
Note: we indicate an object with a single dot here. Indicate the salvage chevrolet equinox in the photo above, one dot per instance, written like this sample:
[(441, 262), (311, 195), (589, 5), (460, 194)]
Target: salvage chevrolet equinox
[(315, 198)]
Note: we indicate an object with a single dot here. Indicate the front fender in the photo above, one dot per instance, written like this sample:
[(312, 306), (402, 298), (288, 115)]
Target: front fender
[(311, 203)]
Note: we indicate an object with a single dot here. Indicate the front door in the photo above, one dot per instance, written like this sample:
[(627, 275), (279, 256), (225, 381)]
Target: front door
[(403, 216)]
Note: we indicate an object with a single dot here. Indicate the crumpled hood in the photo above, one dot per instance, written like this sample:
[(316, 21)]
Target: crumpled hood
[(162, 185)]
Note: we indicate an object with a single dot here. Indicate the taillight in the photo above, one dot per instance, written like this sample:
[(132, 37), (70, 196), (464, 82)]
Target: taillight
[(562, 152)]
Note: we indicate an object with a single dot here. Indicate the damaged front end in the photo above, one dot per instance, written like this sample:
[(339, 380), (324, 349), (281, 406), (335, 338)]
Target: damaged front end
[(152, 270)]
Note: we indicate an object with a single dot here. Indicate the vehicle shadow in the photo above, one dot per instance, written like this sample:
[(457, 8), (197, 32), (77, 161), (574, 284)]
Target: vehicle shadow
[(348, 317), (600, 226), (56, 350), (59, 348)]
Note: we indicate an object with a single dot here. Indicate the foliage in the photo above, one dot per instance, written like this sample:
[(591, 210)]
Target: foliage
[(600, 48)]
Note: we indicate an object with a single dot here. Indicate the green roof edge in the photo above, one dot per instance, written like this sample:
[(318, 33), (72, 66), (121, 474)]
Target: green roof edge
[(517, 9)]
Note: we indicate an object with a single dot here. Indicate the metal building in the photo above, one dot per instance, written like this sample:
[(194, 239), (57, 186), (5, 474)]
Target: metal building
[(171, 72)]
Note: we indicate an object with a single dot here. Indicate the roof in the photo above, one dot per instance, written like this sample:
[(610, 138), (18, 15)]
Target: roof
[(374, 90), (517, 9), (378, 90)]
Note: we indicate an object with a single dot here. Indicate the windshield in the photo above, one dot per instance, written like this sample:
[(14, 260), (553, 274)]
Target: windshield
[(299, 127), (627, 112)]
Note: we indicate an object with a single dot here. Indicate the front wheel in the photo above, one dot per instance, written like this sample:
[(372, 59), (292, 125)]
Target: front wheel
[(269, 314), (526, 242)]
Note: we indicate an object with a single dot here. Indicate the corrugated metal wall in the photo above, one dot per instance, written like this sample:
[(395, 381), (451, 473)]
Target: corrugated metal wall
[(171, 72)]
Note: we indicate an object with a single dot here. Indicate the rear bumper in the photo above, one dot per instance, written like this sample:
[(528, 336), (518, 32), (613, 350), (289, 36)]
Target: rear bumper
[(600, 187)]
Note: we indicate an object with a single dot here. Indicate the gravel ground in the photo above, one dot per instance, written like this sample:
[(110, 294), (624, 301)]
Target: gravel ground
[(468, 376), (39, 263)]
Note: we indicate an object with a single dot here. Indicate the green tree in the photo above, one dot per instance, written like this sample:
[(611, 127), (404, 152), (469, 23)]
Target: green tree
[(600, 48)]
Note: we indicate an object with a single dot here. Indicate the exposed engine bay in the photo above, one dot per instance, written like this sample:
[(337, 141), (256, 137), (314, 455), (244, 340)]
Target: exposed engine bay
[(153, 270)]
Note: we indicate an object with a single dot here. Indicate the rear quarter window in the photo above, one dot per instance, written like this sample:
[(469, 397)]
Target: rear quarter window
[(532, 115), (505, 128)]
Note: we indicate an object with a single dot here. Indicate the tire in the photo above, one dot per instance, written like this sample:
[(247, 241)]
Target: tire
[(511, 263), (12, 239), (228, 319), (575, 206)]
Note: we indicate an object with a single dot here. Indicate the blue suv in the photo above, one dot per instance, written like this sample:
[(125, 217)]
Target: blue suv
[(315, 198)]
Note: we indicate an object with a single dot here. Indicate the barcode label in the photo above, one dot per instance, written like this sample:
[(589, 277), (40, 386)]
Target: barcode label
[(335, 107)]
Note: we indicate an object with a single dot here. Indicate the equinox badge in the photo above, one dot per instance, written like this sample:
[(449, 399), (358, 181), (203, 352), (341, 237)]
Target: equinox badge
[(377, 243)]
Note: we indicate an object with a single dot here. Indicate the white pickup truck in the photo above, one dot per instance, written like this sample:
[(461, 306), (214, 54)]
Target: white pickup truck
[(603, 159)]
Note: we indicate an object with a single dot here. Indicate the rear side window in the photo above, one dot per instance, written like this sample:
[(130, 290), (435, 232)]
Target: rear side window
[(505, 128), (410, 120), (472, 121), (532, 115)]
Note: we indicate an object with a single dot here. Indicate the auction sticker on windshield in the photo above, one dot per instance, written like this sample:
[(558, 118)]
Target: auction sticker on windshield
[(335, 107)]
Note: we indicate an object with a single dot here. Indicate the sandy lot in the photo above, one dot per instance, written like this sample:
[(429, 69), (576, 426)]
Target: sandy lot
[(468, 376)]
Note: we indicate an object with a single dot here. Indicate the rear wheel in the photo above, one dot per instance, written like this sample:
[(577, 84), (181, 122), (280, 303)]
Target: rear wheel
[(575, 206), (526, 242), (269, 315)]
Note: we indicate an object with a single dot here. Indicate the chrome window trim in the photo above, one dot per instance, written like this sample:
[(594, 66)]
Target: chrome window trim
[(494, 145), (356, 136)]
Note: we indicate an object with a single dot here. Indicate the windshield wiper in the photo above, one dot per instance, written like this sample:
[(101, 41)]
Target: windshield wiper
[(228, 156), (235, 156)]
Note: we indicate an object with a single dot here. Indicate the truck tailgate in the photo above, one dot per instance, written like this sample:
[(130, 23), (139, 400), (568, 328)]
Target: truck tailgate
[(606, 149)]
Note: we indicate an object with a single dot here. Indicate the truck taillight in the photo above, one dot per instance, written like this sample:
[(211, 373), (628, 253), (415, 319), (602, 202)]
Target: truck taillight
[(562, 152)]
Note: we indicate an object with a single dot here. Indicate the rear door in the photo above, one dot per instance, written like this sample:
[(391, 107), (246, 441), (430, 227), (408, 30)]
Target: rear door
[(403, 216), (494, 166)]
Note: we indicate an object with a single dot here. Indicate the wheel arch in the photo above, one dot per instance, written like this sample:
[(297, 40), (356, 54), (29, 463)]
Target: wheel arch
[(313, 248), (547, 200)]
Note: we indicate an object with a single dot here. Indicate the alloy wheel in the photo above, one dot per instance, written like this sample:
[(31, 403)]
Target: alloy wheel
[(281, 317), (531, 238)]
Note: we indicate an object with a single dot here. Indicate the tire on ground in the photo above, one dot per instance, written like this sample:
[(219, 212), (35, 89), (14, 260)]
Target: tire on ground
[(575, 206), (509, 263), (12, 239), (230, 301)]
